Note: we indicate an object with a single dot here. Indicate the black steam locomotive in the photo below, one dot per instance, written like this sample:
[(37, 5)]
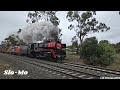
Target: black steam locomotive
[(50, 50)]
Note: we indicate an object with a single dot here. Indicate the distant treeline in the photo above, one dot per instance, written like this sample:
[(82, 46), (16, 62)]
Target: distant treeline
[(117, 47), (73, 47)]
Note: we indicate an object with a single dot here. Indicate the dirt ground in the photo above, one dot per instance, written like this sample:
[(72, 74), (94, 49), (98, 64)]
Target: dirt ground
[(73, 59), (4, 66)]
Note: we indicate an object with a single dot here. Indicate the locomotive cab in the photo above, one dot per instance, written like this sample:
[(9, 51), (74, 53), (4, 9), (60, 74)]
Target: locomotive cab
[(31, 50)]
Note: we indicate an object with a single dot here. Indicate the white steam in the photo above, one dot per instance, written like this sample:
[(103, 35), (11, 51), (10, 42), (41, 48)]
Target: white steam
[(39, 31)]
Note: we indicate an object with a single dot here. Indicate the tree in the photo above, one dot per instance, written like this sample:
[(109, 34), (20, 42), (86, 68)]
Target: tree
[(36, 16), (117, 47), (95, 53), (19, 31), (3, 43), (86, 23), (43, 15), (75, 44), (11, 40), (106, 54), (89, 52), (104, 41), (20, 41)]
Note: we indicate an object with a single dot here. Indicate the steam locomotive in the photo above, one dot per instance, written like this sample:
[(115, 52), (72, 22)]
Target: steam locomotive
[(50, 50)]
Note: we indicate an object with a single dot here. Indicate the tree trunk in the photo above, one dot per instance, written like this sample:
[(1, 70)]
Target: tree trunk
[(80, 48), (77, 50)]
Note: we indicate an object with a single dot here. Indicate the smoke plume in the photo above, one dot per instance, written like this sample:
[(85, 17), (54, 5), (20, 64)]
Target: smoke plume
[(39, 31)]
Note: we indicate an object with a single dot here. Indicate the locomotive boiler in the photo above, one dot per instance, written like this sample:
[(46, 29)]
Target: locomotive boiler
[(48, 50)]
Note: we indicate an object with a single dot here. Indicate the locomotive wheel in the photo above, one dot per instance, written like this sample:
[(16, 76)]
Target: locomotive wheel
[(32, 55), (60, 59), (53, 59)]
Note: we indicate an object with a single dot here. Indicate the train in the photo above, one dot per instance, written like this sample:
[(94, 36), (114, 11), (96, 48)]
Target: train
[(50, 50)]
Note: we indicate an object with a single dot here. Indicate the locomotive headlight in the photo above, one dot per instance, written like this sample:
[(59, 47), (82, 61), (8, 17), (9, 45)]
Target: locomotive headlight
[(59, 46)]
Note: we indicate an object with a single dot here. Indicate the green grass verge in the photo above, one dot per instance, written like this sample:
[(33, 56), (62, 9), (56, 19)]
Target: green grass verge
[(75, 59)]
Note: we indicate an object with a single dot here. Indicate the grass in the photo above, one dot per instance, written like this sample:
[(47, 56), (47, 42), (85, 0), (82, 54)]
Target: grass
[(71, 53), (116, 64), (72, 58), (75, 59)]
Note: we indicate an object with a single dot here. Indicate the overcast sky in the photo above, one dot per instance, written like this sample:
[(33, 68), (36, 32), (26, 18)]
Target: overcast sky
[(12, 21)]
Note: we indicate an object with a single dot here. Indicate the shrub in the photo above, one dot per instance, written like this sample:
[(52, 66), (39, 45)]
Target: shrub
[(89, 47), (106, 55), (117, 50), (95, 53)]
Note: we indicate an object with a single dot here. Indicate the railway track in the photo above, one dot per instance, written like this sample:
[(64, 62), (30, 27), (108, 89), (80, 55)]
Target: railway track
[(65, 70), (75, 74), (74, 70), (98, 69), (85, 69)]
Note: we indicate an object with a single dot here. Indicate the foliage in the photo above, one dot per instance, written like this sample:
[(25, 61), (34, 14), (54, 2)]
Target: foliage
[(75, 44), (117, 47), (43, 15), (13, 40), (107, 53), (104, 41), (86, 23), (19, 31), (36, 16), (95, 53), (70, 48), (89, 50)]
